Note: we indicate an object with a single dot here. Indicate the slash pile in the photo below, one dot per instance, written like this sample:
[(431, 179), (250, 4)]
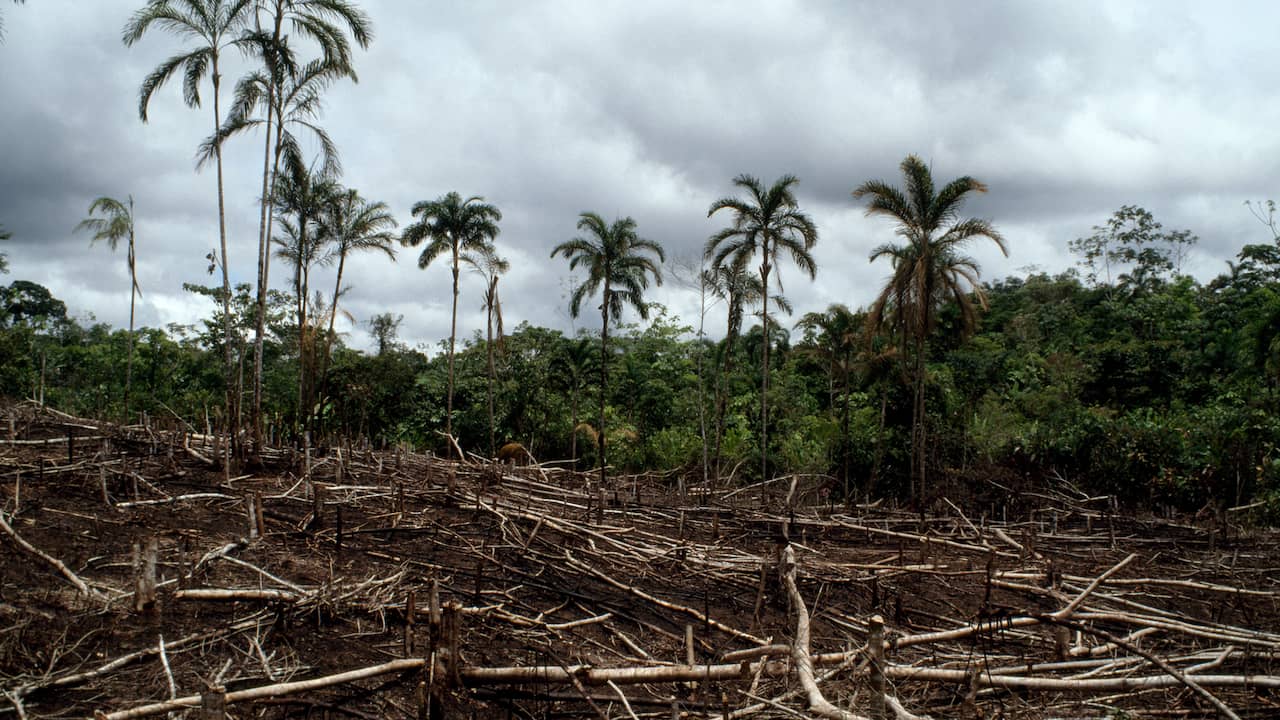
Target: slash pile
[(138, 580)]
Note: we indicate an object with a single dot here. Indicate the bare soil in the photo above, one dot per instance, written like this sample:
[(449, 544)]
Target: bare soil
[(532, 573)]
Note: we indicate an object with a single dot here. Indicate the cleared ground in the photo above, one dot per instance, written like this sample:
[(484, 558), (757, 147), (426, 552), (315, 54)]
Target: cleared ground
[(386, 584)]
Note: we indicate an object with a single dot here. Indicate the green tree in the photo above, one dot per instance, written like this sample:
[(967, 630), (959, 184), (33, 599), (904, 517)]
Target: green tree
[(1133, 240), (619, 264), (490, 267), (290, 95), (214, 25), (351, 224), (928, 271), (385, 327), (835, 336), (455, 226), (767, 222), (301, 200), (114, 225), (573, 366), (286, 97)]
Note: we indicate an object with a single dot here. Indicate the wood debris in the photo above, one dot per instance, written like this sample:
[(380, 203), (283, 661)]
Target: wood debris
[(390, 583)]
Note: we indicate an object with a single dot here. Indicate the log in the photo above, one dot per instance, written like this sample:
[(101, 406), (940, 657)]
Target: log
[(800, 648), (266, 691)]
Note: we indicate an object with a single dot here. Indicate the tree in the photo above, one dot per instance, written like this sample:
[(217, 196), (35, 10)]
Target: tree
[(301, 198), (574, 364), (834, 337), (619, 264), (491, 268), (351, 225), (115, 225), (928, 271), (1132, 239), (288, 95), (385, 327), (767, 222), (740, 289), (455, 226), (214, 25)]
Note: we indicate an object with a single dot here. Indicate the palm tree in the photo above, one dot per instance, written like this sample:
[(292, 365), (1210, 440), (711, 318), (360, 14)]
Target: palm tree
[(351, 224), (214, 25), (734, 284), (835, 338), (928, 271), (576, 362), (768, 222), (301, 198), (286, 98), (454, 226), (618, 263), (288, 95), (115, 225), (16, 2), (491, 267)]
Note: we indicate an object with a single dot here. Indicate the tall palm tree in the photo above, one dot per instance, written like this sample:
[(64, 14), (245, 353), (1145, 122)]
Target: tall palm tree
[(214, 25), (740, 289), (928, 271), (301, 197), (490, 267), (454, 226), (768, 222), (351, 224), (116, 224), (618, 263), (288, 95)]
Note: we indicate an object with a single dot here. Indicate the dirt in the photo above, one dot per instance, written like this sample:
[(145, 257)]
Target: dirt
[(517, 553)]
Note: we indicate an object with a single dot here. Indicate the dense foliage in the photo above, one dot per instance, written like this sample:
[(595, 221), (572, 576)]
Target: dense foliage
[(1153, 387)]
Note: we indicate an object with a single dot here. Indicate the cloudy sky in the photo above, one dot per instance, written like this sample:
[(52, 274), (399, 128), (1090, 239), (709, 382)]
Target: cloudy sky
[(1067, 110)]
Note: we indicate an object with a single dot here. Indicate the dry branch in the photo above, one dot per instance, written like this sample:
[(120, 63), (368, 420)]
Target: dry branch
[(800, 649), (57, 564)]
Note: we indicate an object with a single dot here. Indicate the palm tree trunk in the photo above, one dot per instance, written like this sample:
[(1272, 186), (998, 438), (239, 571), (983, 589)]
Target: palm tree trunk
[(226, 277), (573, 432), (328, 340), (604, 376), (879, 450), (702, 382), (493, 286), (453, 334), (302, 340), (264, 254), (918, 423), (844, 430), (133, 295), (764, 373), (722, 399)]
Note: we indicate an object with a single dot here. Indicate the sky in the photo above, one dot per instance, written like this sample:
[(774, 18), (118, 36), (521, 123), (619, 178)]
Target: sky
[(1066, 110)]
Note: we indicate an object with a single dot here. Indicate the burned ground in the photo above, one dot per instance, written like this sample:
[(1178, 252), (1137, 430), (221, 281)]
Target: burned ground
[(394, 584)]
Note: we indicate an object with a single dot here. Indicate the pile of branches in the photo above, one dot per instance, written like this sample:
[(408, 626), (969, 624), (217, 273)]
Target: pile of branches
[(140, 579)]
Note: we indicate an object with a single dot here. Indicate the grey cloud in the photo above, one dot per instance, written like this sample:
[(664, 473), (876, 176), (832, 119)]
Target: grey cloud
[(1066, 110)]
